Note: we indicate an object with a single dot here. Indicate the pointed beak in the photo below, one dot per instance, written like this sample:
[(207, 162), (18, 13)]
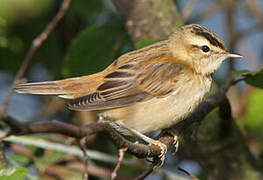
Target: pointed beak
[(230, 55)]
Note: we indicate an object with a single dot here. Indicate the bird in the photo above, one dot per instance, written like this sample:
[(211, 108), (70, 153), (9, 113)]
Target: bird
[(148, 89)]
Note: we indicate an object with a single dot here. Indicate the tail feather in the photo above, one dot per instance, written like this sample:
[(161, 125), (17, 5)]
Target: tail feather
[(67, 88), (48, 87)]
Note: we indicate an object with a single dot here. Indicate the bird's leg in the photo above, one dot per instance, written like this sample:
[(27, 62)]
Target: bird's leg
[(151, 141)]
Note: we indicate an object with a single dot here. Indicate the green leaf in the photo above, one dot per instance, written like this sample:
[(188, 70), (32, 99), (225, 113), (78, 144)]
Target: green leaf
[(21, 159), (93, 49), (13, 173), (255, 79), (240, 73), (144, 43), (253, 118), (252, 78), (19, 39), (45, 161), (85, 9)]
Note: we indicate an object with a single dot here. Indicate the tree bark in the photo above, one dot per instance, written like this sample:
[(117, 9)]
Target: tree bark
[(149, 19)]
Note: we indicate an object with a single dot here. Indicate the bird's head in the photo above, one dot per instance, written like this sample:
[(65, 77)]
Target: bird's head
[(200, 48)]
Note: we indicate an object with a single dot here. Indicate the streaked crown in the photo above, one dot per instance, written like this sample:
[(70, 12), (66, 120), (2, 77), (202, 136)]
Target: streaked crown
[(201, 48)]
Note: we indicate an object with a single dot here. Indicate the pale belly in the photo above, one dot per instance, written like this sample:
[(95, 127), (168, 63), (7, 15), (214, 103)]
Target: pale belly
[(159, 113)]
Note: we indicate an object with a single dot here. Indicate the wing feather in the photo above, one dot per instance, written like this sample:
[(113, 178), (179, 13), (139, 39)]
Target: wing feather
[(131, 84)]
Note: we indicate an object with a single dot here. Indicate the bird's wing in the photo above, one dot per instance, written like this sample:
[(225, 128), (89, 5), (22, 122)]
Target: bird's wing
[(131, 83), (151, 72)]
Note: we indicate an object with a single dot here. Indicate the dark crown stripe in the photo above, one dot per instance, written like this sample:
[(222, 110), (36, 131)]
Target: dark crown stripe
[(201, 32)]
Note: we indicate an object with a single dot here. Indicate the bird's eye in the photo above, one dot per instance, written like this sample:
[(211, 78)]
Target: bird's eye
[(205, 48)]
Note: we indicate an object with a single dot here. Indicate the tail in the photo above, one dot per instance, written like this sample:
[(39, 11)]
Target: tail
[(67, 88), (48, 87)]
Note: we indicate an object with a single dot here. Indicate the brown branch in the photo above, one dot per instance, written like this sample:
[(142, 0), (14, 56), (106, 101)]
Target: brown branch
[(147, 172), (36, 43), (82, 145), (139, 150), (188, 174), (116, 169), (231, 32)]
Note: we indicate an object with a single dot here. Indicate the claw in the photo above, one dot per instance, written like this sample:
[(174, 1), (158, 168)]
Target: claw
[(176, 143), (163, 148)]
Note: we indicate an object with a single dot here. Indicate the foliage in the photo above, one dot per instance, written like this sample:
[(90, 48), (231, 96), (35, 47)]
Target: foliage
[(253, 118), (93, 49), (13, 173), (252, 78)]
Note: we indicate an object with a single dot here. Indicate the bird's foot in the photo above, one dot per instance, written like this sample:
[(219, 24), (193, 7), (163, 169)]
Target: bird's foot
[(172, 133), (163, 148), (150, 141)]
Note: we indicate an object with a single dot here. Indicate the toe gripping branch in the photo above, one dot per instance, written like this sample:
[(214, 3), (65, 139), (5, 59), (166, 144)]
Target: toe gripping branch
[(167, 137)]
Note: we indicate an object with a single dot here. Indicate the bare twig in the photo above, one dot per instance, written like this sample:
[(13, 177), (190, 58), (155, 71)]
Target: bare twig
[(121, 156), (188, 174), (36, 43), (148, 172), (23, 150), (82, 145), (145, 174), (230, 10), (139, 150)]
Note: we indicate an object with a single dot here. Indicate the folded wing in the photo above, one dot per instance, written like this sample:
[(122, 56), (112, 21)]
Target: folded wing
[(130, 85)]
